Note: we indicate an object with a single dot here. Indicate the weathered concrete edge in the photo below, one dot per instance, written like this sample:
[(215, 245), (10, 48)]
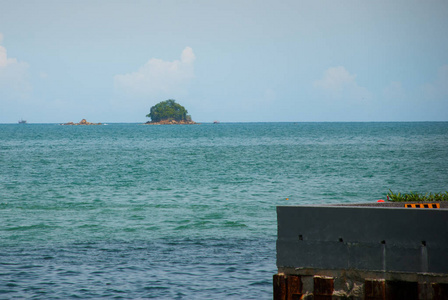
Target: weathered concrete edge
[(360, 275)]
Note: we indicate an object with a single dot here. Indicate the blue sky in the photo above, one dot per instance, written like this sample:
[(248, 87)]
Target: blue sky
[(110, 61)]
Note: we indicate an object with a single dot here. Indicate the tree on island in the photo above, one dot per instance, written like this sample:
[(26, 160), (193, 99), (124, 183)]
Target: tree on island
[(168, 110)]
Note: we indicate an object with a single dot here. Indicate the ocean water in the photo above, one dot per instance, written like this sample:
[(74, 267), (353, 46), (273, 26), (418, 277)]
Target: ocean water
[(130, 211)]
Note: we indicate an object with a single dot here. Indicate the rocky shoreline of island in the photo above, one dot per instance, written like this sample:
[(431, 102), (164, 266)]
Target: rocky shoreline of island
[(82, 122), (171, 122)]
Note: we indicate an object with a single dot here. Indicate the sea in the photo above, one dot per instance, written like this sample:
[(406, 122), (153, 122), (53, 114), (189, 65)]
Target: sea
[(131, 211)]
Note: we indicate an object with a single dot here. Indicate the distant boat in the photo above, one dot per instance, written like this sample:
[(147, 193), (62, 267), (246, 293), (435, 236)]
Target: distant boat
[(215, 122), (22, 121)]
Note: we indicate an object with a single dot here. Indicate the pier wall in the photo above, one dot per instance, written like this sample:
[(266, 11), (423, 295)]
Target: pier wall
[(382, 251)]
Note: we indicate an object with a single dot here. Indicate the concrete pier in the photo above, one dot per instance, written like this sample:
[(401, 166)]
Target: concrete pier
[(362, 251)]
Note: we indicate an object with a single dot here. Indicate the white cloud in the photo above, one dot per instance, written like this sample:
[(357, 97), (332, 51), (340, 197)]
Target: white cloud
[(13, 74), (43, 75), (159, 76), (4, 60), (337, 82), (188, 56), (335, 79)]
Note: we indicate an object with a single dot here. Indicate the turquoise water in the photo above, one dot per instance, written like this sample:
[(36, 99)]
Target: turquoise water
[(133, 211)]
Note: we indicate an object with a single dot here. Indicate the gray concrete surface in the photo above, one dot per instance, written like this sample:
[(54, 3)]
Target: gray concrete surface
[(373, 237)]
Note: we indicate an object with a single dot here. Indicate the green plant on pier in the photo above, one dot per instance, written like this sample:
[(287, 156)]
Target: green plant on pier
[(436, 197)]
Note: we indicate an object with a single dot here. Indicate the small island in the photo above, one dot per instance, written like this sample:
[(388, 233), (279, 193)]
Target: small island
[(82, 122), (169, 112)]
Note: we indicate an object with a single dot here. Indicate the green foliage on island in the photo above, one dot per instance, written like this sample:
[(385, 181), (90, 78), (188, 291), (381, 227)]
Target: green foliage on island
[(417, 197), (168, 110)]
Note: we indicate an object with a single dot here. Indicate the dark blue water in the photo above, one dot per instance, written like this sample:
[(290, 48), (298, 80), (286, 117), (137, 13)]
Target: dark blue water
[(134, 211)]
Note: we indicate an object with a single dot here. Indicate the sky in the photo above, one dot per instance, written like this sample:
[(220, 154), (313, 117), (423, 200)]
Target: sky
[(230, 61)]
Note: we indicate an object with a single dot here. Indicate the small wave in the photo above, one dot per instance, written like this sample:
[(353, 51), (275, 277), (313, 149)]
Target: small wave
[(11, 284), (196, 225), (153, 228), (30, 227), (261, 283), (69, 273), (150, 288), (234, 224), (231, 269), (89, 226)]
